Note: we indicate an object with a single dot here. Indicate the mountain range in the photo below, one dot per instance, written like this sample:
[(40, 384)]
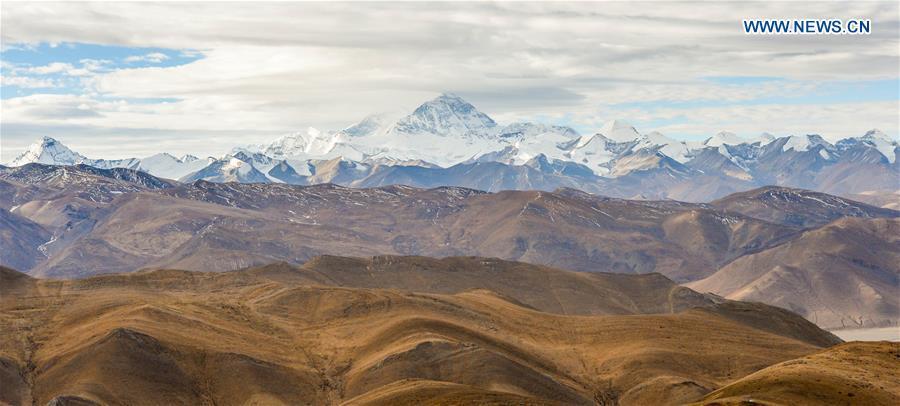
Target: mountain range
[(794, 248), (448, 142)]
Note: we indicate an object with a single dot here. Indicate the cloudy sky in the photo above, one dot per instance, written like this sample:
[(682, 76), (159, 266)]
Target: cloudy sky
[(131, 79)]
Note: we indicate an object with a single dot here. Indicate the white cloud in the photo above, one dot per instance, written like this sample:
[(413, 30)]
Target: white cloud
[(94, 64), (153, 57), (57, 67), (28, 82)]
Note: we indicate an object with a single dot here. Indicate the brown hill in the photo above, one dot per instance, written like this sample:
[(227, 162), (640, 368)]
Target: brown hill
[(292, 335), (538, 287), (798, 207), (206, 226), (86, 223), (857, 373), (812, 274)]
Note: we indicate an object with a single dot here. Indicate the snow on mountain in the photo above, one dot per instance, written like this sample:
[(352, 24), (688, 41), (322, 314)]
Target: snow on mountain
[(619, 131), (882, 142), (680, 151), (49, 151), (228, 169), (766, 138), (444, 131), (800, 143), (165, 165), (446, 115), (595, 151), (448, 130), (524, 130), (306, 145), (372, 125), (52, 152), (530, 140), (724, 138)]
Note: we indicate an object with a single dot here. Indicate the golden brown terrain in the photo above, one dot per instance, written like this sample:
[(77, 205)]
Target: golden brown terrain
[(383, 330), (856, 373)]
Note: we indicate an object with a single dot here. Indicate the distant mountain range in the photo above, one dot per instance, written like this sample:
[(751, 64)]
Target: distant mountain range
[(448, 142), (830, 259)]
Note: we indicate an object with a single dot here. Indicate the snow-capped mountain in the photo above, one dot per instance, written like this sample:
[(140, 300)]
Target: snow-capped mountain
[(445, 131), (372, 125), (49, 151), (680, 151), (882, 142), (447, 115), (168, 166), (229, 169), (52, 152), (802, 143), (447, 140), (724, 138), (529, 140), (309, 144)]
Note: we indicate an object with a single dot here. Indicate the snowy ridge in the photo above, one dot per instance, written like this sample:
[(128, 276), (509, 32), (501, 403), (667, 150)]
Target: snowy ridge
[(448, 131)]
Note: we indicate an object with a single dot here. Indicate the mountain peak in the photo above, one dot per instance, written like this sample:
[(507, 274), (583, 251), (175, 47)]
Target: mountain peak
[(619, 131), (800, 143), (724, 138), (372, 124), (877, 134), (48, 150), (446, 115)]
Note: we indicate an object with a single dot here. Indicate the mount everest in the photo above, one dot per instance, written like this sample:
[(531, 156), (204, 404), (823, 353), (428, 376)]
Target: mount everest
[(447, 141)]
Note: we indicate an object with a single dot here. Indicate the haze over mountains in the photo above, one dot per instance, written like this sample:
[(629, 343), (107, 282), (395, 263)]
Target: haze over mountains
[(448, 142), (789, 247)]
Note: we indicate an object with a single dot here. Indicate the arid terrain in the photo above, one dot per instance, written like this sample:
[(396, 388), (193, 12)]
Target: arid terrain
[(388, 330), (857, 373), (788, 247)]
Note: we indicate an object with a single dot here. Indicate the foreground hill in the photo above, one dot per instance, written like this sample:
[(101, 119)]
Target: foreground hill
[(314, 335), (859, 373), (813, 273)]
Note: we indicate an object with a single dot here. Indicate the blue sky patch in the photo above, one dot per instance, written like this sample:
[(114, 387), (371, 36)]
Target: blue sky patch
[(63, 68)]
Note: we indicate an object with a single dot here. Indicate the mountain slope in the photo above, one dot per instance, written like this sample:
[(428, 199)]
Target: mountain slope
[(812, 273), (852, 373), (205, 226), (22, 240), (537, 287), (796, 207)]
